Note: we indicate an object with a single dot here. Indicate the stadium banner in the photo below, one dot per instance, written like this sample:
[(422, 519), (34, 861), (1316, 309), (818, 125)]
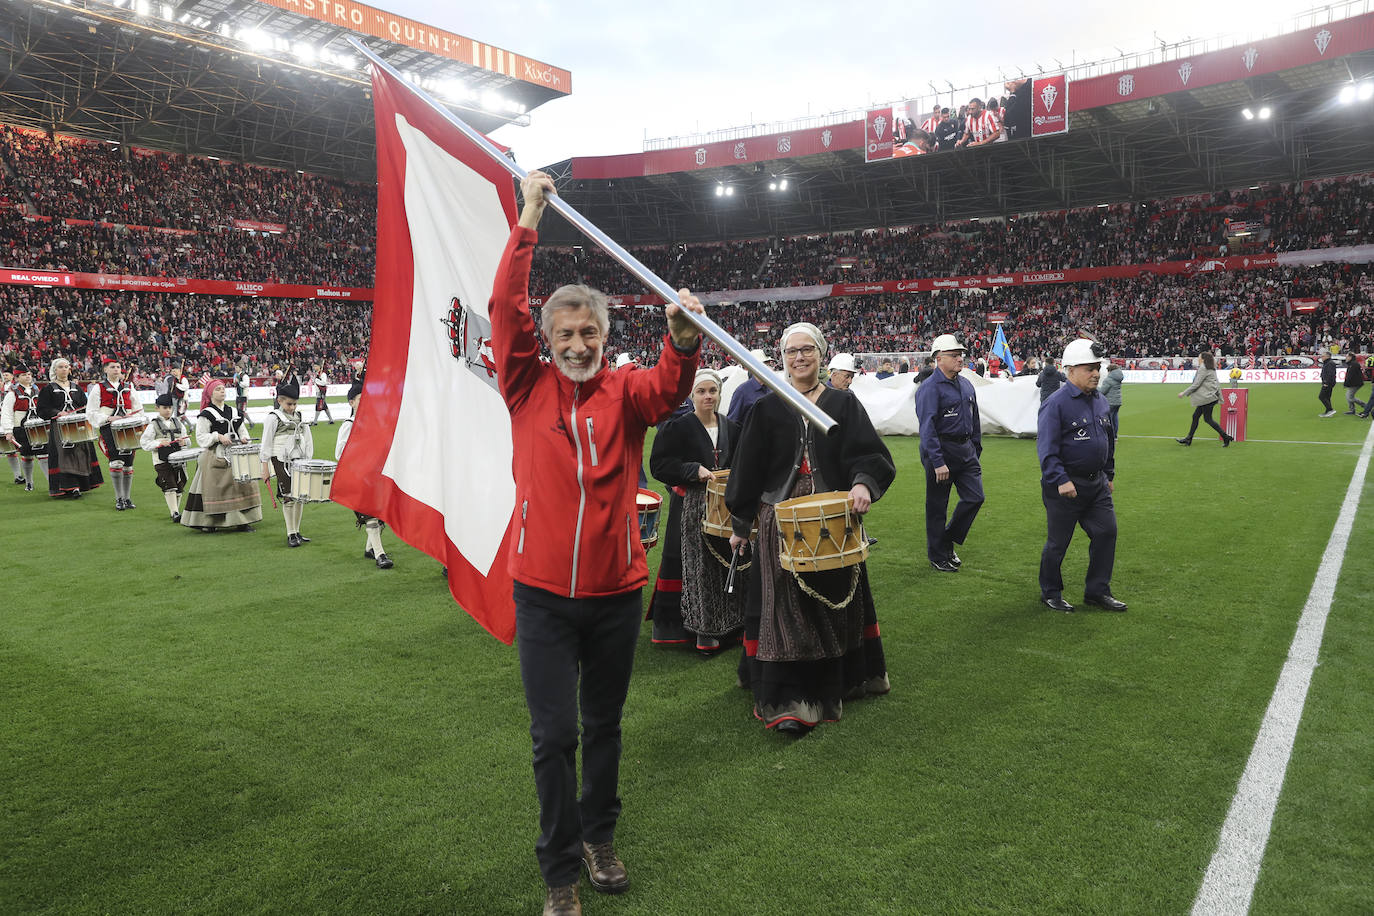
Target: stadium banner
[(1242, 61), (368, 20), (255, 226), (878, 142), (1049, 105), (190, 285), (432, 449), (787, 145)]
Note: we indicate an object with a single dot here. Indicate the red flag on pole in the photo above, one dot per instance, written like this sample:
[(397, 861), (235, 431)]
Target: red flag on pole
[(430, 453)]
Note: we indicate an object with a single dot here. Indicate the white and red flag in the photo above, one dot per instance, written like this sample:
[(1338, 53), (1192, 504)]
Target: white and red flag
[(430, 452)]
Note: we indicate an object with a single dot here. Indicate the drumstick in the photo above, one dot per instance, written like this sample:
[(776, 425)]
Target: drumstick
[(730, 576)]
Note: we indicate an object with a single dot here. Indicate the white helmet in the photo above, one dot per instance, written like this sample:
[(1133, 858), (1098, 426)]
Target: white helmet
[(1081, 352), (760, 356), (844, 362), (946, 342), (623, 360)]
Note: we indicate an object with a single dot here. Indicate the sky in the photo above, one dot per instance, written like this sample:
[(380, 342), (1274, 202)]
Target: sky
[(643, 69)]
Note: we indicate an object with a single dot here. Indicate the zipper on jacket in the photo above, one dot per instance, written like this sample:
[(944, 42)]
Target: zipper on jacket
[(524, 513), (591, 439), (629, 540), (582, 495)]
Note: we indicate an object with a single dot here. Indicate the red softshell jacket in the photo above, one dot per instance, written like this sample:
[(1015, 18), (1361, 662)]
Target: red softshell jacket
[(578, 447)]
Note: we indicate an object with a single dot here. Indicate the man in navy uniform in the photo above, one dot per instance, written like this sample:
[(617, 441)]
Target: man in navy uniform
[(1077, 448), (951, 443)]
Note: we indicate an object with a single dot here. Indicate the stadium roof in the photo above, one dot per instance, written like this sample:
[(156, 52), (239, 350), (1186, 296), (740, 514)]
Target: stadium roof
[(1187, 136), (267, 81)]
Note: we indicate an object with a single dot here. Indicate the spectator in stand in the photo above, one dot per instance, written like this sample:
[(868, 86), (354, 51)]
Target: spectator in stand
[(1328, 382), (1354, 381), (947, 132), (1017, 116), (886, 370), (927, 369)]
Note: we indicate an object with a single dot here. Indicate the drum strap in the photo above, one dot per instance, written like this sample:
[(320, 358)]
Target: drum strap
[(853, 587), (739, 567)]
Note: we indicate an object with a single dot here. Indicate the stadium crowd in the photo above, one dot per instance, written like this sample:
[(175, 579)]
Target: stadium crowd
[(1336, 212), (202, 334)]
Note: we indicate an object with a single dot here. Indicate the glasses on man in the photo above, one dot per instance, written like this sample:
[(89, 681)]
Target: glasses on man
[(794, 352)]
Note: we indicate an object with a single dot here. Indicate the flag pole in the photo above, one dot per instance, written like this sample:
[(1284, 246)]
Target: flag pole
[(702, 322)]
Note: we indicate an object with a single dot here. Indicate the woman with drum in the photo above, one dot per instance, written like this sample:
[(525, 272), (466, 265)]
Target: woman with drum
[(811, 638), (73, 467), (286, 438), (215, 500), (689, 595), (22, 427)]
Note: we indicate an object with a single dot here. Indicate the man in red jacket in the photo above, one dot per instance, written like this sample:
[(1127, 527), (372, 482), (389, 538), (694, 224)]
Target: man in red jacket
[(577, 562)]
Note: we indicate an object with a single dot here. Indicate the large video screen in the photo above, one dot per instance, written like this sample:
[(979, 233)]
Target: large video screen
[(1029, 107)]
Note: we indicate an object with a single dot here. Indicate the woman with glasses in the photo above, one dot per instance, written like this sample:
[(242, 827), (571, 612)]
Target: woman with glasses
[(812, 642), (72, 466), (689, 595)]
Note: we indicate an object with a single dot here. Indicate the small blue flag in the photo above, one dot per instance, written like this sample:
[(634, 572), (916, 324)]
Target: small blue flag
[(1002, 351)]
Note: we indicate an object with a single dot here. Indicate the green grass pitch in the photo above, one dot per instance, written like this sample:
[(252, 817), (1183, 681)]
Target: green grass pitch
[(218, 724)]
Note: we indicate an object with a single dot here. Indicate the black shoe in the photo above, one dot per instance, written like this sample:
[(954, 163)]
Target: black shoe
[(1106, 602), (368, 554), (28, 487), (19, 481), (954, 558), (129, 504), (293, 540), (76, 494), (1056, 603), (943, 566), (177, 518), (248, 528), (384, 561), (1350, 413), (119, 504), (872, 542), (1187, 441), (302, 538), (793, 727), (1226, 440)]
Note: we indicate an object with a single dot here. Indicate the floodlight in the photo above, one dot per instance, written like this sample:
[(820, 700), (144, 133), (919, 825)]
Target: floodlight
[(1366, 92), (1347, 95), (720, 190), (772, 185), (730, 191), (1265, 112), (306, 51), (782, 185), (1247, 114)]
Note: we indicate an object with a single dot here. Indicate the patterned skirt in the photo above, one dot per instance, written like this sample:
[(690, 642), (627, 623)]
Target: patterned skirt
[(216, 500), (810, 643), (72, 467), (706, 609)]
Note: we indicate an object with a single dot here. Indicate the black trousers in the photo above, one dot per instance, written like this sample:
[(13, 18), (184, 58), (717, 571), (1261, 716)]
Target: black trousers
[(965, 474), (1204, 413), (1325, 396), (1092, 508), (1115, 410), (576, 654)]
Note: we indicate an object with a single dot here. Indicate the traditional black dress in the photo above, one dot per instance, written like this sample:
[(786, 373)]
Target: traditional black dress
[(689, 594), (72, 466), (805, 655)]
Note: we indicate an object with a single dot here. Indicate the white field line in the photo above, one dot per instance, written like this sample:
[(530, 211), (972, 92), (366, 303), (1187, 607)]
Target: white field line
[(1230, 880)]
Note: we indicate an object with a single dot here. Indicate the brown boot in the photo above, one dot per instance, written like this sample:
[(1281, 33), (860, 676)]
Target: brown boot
[(562, 901), (604, 868)]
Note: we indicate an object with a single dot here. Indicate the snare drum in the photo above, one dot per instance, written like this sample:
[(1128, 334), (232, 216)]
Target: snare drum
[(649, 504), (183, 457), (717, 522), (245, 463), (128, 431), (6, 448), (36, 428), (75, 428), (818, 532), (311, 480)]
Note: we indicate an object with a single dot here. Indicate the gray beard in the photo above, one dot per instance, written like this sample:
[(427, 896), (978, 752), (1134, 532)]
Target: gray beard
[(579, 374)]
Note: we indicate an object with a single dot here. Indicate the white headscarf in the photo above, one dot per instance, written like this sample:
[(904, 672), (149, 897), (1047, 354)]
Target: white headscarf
[(706, 373), (52, 367), (804, 327)]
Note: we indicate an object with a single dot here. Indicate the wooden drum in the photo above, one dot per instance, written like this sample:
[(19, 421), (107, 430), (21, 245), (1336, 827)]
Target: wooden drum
[(819, 532)]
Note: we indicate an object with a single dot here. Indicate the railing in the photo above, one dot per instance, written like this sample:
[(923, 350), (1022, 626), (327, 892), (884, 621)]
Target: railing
[(1178, 50)]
